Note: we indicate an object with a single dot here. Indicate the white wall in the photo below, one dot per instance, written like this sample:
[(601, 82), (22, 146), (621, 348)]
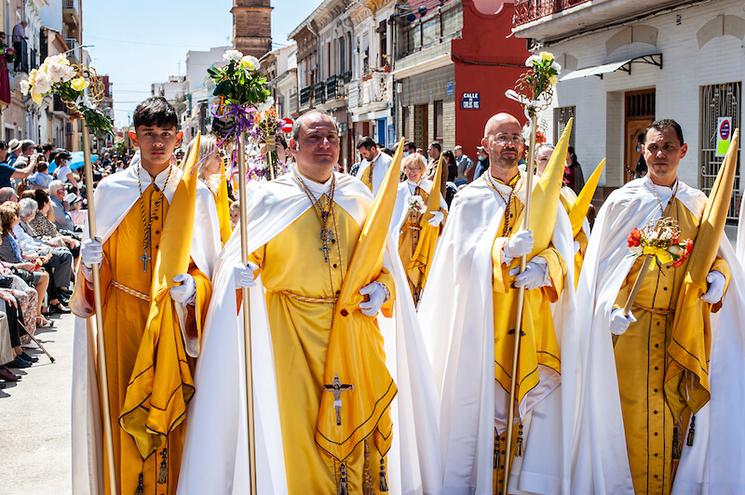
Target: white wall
[(686, 67), (197, 63)]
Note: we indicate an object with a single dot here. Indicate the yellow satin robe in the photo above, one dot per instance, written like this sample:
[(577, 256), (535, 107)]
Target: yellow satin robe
[(300, 288), (407, 242), (124, 320), (641, 357), (539, 345)]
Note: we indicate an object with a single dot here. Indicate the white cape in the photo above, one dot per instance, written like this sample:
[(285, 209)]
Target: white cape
[(380, 164), (713, 465), (402, 202), (457, 321), (216, 451), (114, 197)]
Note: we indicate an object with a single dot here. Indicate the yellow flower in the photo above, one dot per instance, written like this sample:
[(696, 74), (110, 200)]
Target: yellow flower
[(36, 97), (547, 56), (79, 84), (553, 80)]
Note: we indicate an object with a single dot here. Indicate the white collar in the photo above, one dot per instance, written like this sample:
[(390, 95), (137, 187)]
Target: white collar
[(664, 193), (499, 185), (315, 187), (160, 179)]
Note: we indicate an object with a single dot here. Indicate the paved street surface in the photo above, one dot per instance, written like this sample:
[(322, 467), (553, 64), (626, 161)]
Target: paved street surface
[(35, 420)]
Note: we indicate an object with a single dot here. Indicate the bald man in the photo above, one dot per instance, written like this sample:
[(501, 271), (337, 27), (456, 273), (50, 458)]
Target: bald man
[(468, 311), (322, 425)]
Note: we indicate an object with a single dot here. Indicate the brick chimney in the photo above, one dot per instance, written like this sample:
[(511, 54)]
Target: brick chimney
[(252, 26)]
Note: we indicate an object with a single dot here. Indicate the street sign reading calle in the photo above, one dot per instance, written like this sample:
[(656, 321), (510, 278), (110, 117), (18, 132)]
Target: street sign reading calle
[(471, 101)]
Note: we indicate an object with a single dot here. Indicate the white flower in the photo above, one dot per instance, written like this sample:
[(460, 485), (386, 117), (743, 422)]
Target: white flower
[(232, 55), (532, 59), (24, 85), (556, 66), (636, 251), (250, 63), (60, 72), (416, 203), (263, 107), (43, 84)]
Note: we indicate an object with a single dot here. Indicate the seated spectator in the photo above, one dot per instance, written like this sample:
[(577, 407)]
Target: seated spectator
[(41, 178), (62, 218), (8, 194), (36, 207), (64, 173), (59, 264)]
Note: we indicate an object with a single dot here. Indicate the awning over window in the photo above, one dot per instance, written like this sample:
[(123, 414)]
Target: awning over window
[(622, 65)]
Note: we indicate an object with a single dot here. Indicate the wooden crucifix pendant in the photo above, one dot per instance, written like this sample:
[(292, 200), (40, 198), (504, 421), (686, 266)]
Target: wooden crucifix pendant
[(336, 387)]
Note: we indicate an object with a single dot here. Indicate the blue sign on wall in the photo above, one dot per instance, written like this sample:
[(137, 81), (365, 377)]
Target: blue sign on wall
[(471, 101)]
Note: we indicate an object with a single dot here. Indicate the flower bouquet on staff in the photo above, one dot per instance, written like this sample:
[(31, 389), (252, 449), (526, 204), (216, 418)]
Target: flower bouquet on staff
[(269, 126), (658, 241), (78, 86), (416, 203)]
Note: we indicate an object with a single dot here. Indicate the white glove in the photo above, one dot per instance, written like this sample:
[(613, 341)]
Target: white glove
[(715, 291), (520, 244), (437, 218), (619, 322), (534, 276), (185, 293), (91, 252), (377, 295), (244, 275)]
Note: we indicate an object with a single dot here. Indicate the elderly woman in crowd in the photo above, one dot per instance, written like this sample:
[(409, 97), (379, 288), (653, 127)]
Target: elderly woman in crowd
[(19, 248), (62, 218), (40, 224)]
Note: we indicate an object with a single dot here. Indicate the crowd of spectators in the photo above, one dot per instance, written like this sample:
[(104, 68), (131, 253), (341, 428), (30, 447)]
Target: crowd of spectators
[(41, 217)]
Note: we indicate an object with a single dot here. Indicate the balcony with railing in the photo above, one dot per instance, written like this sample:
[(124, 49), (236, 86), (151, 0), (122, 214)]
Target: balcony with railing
[(305, 96), (319, 92), (336, 87), (371, 93), (552, 19)]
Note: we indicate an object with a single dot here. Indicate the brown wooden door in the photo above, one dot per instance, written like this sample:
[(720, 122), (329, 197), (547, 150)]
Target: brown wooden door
[(421, 129), (639, 113)]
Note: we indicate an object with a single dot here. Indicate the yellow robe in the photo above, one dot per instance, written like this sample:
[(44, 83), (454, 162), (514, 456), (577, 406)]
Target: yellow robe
[(407, 242), (124, 319), (641, 356), (300, 288), (539, 345)]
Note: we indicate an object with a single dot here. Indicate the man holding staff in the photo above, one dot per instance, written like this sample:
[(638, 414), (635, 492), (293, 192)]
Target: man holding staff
[(148, 346), (661, 382), (469, 310), (325, 417)]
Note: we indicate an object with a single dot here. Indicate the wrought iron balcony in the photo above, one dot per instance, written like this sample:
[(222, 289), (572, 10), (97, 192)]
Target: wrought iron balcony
[(319, 92), (305, 95), (335, 87), (530, 10)]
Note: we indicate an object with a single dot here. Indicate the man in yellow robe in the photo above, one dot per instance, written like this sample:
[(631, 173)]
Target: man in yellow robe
[(133, 208), (627, 433), (303, 229), (471, 347), (411, 205)]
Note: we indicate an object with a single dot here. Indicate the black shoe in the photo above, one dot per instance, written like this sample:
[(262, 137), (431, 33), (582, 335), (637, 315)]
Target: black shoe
[(58, 308), (20, 363), (7, 375), (27, 357)]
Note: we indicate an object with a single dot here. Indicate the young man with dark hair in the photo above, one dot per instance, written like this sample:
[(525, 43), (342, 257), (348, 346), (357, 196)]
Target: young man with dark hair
[(136, 209), (658, 416), (374, 164)]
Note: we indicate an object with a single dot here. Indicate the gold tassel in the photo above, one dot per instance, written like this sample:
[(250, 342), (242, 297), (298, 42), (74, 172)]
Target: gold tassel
[(383, 479), (343, 488), (691, 431), (519, 442), (163, 475), (140, 488)]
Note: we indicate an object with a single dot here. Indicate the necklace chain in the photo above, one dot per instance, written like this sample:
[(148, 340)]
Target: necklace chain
[(327, 235), (148, 222), (651, 188), (491, 182)]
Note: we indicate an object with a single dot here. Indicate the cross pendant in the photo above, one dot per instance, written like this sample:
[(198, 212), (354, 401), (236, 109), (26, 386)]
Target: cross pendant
[(145, 260), (327, 236), (336, 387)]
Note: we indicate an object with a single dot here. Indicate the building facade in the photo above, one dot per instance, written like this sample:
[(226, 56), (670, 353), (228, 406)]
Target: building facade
[(196, 116), (252, 27), (627, 63), (280, 67)]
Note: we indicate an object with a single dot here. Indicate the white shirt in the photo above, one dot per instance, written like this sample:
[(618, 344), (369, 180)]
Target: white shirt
[(380, 166), (62, 173)]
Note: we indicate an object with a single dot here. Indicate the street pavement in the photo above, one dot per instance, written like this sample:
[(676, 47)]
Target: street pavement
[(35, 419)]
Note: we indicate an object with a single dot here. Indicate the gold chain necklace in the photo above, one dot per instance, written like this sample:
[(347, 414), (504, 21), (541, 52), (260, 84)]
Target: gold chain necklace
[(490, 182), (650, 187), (148, 222), (327, 235)]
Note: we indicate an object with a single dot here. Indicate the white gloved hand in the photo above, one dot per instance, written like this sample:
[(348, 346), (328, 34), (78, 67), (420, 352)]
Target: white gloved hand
[(437, 218), (244, 275), (520, 244), (377, 296), (184, 294), (620, 322), (91, 252), (715, 292), (534, 276)]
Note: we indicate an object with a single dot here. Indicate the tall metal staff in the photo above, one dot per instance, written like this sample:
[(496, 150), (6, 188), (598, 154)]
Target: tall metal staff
[(534, 91)]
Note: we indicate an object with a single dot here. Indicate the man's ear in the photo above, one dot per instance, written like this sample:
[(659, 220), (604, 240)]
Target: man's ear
[(133, 137), (179, 137), (683, 151), (484, 142), (293, 145)]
